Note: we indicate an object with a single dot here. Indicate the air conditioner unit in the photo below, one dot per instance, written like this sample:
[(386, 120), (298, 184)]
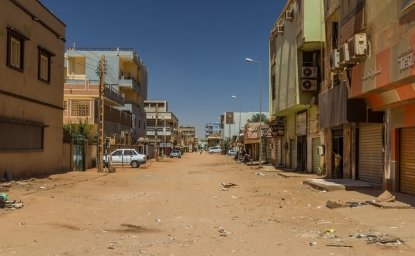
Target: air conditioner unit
[(344, 57), (289, 15), (308, 85), (309, 72), (280, 29), (334, 59), (357, 46)]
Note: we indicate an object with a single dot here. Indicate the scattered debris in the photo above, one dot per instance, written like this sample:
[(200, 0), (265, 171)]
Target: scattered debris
[(223, 232), (259, 174), (329, 233), (312, 243), (351, 204), (385, 197), (340, 245), (226, 186), (377, 237), (333, 204)]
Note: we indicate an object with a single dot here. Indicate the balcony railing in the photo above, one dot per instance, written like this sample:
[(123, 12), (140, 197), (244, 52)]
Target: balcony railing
[(130, 82)]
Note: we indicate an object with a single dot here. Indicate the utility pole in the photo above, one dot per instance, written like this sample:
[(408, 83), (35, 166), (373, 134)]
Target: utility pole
[(101, 72), (156, 132)]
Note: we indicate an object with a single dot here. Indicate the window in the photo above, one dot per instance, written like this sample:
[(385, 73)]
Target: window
[(15, 49), (65, 105), (21, 135), (44, 65), (273, 87), (80, 108)]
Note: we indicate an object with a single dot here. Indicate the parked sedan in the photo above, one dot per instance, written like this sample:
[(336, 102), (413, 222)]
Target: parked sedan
[(126, 156), (175, 153)]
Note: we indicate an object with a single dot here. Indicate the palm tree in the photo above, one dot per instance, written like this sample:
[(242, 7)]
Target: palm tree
[(255, 118)]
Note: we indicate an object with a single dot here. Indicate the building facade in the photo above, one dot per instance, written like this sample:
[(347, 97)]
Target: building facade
[(383, 77), (296, 71), (212, 128), (187, 138), (162, 126), (124, 94), (32, 45)]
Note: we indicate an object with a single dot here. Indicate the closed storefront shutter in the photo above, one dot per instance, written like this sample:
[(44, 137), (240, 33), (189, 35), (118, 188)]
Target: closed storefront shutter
[(370, 165), (277, 152), (407, 165), (316, 156)]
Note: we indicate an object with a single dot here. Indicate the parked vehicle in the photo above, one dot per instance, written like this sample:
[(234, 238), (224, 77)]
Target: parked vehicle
[(215, 149), (175, 153), (232, 152), (126, 156)]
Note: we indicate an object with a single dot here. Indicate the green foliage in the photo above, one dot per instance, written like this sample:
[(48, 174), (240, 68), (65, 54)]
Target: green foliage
[(75, 130), (255, 118), (227, 143)]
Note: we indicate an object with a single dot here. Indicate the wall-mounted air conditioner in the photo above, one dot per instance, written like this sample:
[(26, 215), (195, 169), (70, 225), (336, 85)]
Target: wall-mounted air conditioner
[(308, 85), (309, 72), (280, 29), (334, 60), (357, 46), (289, 14), (344, 57)]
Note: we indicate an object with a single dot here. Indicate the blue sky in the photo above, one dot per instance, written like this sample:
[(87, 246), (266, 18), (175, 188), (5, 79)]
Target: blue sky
[(194, 49)]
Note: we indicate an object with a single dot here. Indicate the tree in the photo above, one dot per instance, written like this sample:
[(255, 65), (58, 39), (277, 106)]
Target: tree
[(81, 129), (255, 118)]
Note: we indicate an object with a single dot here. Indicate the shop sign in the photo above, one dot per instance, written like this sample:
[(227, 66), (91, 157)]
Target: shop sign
[(371, 74), (406, 59)]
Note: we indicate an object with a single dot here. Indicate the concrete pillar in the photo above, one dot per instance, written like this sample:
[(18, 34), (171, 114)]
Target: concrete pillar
[(328, 145)]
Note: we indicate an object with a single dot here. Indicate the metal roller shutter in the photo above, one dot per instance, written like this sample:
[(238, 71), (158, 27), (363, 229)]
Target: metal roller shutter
[(407, 165), (370, 166), (316, 156)]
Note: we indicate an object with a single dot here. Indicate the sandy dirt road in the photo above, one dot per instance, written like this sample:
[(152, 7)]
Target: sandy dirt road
[(178, 207)]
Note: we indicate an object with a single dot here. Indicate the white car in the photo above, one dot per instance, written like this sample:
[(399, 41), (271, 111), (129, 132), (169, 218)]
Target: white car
[(215, 149), (126, 156)]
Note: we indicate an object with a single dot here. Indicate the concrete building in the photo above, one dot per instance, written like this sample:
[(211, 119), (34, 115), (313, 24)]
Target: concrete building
[(32, 45), (187, 136), (379, 72), (295, 63), (230, 122), (212, 128), (162, 126), (125, 91)]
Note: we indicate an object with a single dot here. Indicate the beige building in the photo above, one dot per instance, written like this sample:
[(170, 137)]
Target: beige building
[(161, 129), (124, 94), (32, 59), (187, 135)]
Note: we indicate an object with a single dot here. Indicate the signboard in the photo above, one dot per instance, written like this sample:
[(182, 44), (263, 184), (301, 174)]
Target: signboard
[(165, 145)]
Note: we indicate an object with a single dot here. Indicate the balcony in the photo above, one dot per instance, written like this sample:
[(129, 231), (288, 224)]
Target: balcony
[(89, 88), (130, 83)]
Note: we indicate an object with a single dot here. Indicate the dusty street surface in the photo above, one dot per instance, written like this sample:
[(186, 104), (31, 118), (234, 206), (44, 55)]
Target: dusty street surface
[(178, 207)]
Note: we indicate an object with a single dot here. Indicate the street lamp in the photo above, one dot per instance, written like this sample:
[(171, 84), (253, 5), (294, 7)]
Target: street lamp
[(249, 60), (240, 111)]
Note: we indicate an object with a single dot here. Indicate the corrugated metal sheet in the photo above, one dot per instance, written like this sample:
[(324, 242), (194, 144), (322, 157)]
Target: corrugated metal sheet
[(407, 163), (370, 165)]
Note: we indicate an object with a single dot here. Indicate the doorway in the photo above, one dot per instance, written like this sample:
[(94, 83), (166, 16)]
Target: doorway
[(337, 156)]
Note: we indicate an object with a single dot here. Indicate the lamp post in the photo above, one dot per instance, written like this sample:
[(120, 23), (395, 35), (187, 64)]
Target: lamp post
[(240, 111), (249, 60)]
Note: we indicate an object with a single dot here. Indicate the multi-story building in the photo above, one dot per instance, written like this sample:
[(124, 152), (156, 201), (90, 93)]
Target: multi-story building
[(162, 126), (296, 71), (233, 123), (187, 136), (212, 128), (32, 45), (125, 91), (376, 60)]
